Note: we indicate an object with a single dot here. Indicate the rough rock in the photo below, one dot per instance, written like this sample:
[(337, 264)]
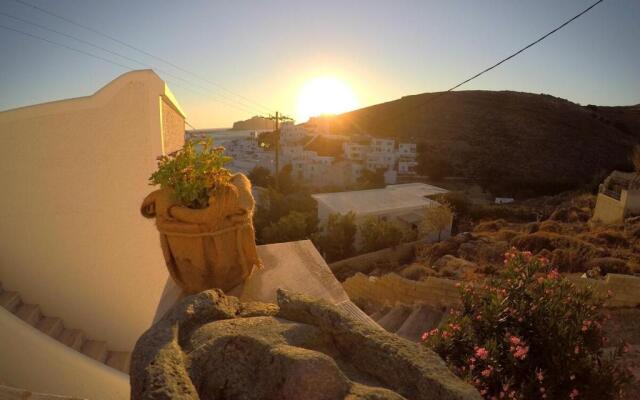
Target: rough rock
[(215, 347), (483, 250), (455, 267)]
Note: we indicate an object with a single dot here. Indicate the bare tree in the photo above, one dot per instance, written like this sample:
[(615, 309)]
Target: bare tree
[(437, 218)]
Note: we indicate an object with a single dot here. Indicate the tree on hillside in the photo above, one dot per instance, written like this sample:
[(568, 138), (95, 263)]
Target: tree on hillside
[(278, 206), (371, 179), (434, 168), (286, 182), (292, 226), (378, 233), (260, 176), (338, 239), (437, 218)]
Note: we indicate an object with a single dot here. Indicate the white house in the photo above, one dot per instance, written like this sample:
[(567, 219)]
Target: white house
[(73, 246), (618, 197), (291, 133), (395, 202)]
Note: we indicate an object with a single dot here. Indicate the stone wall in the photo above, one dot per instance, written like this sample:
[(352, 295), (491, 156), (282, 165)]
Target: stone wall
[(392, 288), (625, 289), (392, 256)]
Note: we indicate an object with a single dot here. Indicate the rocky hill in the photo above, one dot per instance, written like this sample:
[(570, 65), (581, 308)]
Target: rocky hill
[(254, 123), (513, 143)]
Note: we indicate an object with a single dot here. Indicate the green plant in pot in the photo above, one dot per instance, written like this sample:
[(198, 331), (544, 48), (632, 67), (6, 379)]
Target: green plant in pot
[(204, 216)]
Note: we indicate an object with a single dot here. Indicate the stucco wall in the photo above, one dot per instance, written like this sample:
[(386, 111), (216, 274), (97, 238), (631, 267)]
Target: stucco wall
[(74, 173), (32, 360), (632, 202), (608, 210), (172, 127)]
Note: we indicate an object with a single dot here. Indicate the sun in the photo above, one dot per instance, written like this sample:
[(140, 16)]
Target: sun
[(325, 95)]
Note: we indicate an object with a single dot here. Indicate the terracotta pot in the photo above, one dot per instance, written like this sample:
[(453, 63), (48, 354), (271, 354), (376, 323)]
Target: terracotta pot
[(207, 248)]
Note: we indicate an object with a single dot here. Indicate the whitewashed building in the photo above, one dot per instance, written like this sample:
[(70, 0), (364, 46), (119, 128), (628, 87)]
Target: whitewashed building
[(404, 203)]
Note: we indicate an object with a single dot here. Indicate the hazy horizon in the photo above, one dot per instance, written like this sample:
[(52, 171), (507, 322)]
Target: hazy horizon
[(381, 51)]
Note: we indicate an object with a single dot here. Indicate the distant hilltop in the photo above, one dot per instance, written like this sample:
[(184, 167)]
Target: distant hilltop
[(254, 123), (511, 142)]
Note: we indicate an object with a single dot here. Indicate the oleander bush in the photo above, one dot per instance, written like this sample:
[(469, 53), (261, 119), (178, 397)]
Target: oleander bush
[(530, 334), (192, 172)]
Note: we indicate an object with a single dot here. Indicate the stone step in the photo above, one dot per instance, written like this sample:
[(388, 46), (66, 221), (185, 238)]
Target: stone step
[(73, 338), (29, 313), (379, 314), (423, 318), (51, 326), (96, 349), (10, 300), (119, 360), (395, 318)]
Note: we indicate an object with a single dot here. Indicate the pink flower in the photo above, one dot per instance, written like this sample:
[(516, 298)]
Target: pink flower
[(540, 376), (574, 393), (521, 352), (553, 274), (514, 340), (576, 350), (482, 353), (487, 372), (572, 377)]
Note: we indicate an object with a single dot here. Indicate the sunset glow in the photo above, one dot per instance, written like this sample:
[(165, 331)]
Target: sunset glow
[(325, 95)]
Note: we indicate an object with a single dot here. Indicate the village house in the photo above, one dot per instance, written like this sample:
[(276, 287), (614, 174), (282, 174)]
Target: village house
[(618, 197), (323, 159), (404, 204)]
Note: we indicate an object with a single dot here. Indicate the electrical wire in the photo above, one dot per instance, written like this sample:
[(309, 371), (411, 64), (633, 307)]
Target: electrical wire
[(130, 46), (126, 67)]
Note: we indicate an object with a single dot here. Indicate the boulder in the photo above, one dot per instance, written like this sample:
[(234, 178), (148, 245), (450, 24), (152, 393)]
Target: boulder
[(213, 346), (483, 250), (458, 268)]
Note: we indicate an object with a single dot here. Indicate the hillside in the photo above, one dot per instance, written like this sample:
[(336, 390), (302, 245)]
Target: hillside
[(511, 142), (254, 123)]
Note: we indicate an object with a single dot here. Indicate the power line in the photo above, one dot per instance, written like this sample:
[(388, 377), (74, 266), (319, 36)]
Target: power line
[(245, 107), (430, 99), (26, 4), (126, 67)]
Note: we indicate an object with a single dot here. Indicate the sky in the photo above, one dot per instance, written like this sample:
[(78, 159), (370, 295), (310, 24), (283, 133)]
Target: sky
[(264, 52)]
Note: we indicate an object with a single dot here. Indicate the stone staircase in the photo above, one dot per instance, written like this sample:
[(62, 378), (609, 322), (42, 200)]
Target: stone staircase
[(409, 322), (54, 327)]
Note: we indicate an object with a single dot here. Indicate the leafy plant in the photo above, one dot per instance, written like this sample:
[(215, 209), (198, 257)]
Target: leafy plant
[(378, 233), (337, 240), (293, 226), (437, 218), (192, 174), (530, 334)]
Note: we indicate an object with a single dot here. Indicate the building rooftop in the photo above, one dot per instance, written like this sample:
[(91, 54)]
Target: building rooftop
[(392, 197)]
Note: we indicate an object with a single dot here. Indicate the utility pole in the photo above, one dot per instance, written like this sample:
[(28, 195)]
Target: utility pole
[(277, 118)]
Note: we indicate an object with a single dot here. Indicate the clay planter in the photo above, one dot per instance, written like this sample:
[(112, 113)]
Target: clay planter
[(207, 248)]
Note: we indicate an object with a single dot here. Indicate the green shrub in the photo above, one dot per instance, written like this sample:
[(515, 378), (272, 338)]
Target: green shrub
[(378, 233), (192, 174), (530, 334), (293, 226), (337, 241)]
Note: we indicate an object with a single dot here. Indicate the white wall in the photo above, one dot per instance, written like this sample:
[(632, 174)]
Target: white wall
[(73, 175), (32, 360)]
